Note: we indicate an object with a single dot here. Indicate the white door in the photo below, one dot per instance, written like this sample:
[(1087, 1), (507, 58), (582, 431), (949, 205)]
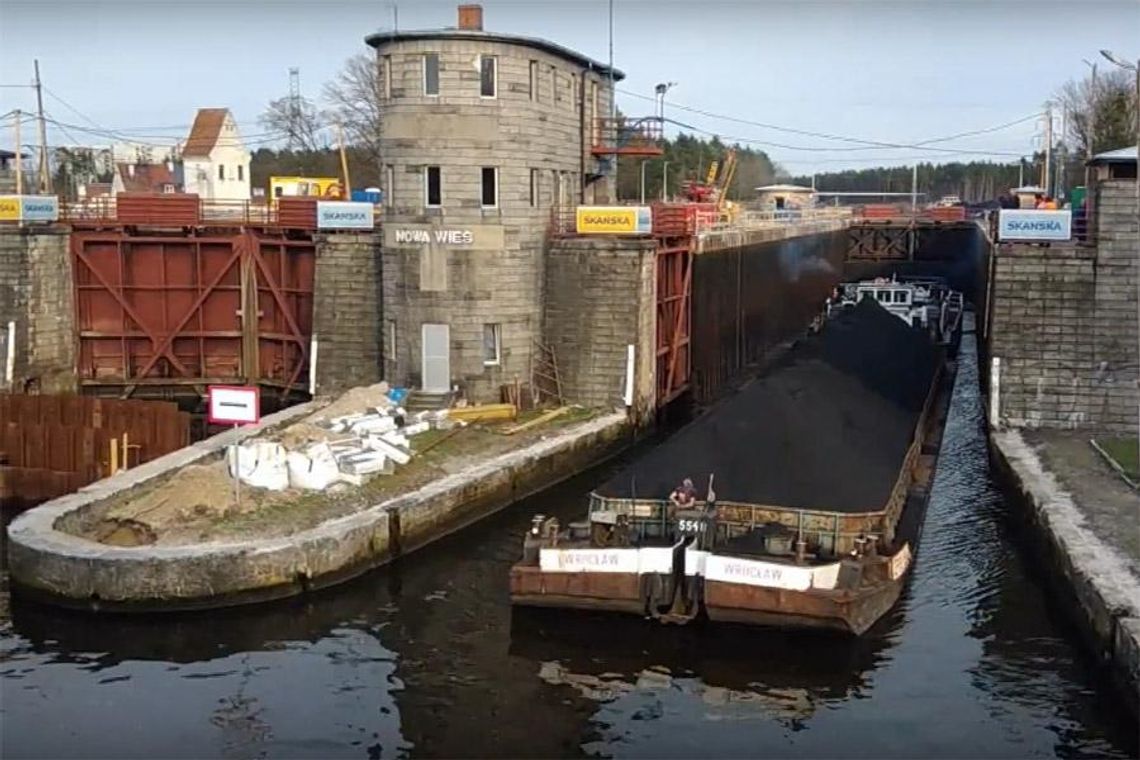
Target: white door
[(436, 358)]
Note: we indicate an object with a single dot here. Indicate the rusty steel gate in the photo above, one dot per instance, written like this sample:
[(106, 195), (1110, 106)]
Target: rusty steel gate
[(163, 315), (673, 227)]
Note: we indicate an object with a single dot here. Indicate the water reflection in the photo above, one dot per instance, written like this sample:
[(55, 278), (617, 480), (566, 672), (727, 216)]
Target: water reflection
[(426, 658)]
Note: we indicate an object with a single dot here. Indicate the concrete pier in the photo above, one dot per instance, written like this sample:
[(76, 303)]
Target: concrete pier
[(64, 568)]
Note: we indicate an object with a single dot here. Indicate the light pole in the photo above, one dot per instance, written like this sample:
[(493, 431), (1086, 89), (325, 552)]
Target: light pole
[(644, 161), (665, 182), (661, 89), (1090, 148), (1135, 69)]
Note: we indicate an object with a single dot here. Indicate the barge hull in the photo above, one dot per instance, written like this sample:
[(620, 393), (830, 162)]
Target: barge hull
[(615, 592), (756, 605)]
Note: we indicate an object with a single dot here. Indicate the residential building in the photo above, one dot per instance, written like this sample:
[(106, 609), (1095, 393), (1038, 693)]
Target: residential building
[(145, 178), (215, 161), (483, 134)]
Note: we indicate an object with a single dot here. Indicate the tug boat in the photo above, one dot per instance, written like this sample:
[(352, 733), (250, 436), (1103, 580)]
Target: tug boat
[(828, 544)]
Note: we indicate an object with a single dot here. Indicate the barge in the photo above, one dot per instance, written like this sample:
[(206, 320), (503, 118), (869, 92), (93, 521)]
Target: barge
[(812, 485)]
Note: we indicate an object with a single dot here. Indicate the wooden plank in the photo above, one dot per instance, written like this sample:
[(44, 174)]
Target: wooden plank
[(542, 419), (484, 412)]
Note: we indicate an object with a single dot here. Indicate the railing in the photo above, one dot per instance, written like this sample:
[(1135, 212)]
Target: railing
[(1083, 233), (828, 533), (684, 219), (896, 213), (769, 219), (639, 137), (187, 210)]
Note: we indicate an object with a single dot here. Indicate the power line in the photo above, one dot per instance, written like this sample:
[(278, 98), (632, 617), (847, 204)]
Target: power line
[(52, 120), (910, 159), (73, 109), (753, 141), (864, 144), (142, 139)]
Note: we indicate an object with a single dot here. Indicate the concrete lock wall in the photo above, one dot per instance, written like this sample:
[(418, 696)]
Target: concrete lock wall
[(1064, 326), (490, 270), (36, 296), (347, 311), (748, 299), (601, 299)]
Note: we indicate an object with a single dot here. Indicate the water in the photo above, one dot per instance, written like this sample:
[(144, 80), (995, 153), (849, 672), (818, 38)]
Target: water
[(425, 659)]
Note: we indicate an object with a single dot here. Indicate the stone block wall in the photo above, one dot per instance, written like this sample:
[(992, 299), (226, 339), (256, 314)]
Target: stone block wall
[(347, 311), (536, 133), (601, 298), (37, 295), (1064, 327)]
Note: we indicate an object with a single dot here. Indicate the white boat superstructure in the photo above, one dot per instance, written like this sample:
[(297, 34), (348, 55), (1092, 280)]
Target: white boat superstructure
[(921, 303)]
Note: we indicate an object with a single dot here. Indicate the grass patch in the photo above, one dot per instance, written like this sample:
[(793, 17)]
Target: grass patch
[(1123, 451)]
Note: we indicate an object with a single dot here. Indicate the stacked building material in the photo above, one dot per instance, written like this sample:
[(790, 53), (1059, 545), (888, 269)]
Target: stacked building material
[(356, 447)]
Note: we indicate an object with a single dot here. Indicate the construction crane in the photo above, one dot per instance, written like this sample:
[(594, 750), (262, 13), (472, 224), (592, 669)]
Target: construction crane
[(715, 187)]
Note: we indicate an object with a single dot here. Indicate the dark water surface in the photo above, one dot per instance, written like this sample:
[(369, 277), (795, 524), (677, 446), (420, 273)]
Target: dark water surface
[(425, 659)]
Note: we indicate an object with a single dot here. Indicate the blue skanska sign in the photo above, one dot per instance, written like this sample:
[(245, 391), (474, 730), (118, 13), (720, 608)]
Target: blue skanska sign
[(344, 215), (1031, 225)]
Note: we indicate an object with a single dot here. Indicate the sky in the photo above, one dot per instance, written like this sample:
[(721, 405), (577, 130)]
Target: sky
[(763, 72)]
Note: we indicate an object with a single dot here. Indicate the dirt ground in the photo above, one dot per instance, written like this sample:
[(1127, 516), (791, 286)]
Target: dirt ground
[(197, 503)]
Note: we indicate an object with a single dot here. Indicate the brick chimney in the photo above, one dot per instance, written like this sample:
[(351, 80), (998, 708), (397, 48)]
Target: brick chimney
[(471, 18)]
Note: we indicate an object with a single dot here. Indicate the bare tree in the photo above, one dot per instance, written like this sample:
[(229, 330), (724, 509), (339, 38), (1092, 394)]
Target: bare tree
[(1101, 116), (298, 122), (354, 99)]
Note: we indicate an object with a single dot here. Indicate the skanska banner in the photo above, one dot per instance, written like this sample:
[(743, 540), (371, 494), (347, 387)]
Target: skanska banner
[(1035, 226), (344, 215)]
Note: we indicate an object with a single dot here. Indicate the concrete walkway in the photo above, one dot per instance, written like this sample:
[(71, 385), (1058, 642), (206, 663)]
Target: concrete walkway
[(1111, 508), (1086, 530)]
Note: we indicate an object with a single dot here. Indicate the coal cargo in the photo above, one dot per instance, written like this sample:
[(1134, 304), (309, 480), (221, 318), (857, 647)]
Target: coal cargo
[(827, 428)]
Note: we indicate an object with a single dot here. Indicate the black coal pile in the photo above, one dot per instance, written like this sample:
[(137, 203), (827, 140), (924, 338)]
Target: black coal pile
[(826, 428)]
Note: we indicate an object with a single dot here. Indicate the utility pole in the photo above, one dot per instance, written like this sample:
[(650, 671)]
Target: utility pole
[(644, 161), (1020, 173), (912, 232), (44, 170), (343, 161), (1048, 147), (665, 182), (613, 93), (1090, 149), (1063, 150), (19, 156), (913, 190)]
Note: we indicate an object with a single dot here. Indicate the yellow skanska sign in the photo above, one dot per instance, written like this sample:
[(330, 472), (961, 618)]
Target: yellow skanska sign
[(9, 208), (614, 220)]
